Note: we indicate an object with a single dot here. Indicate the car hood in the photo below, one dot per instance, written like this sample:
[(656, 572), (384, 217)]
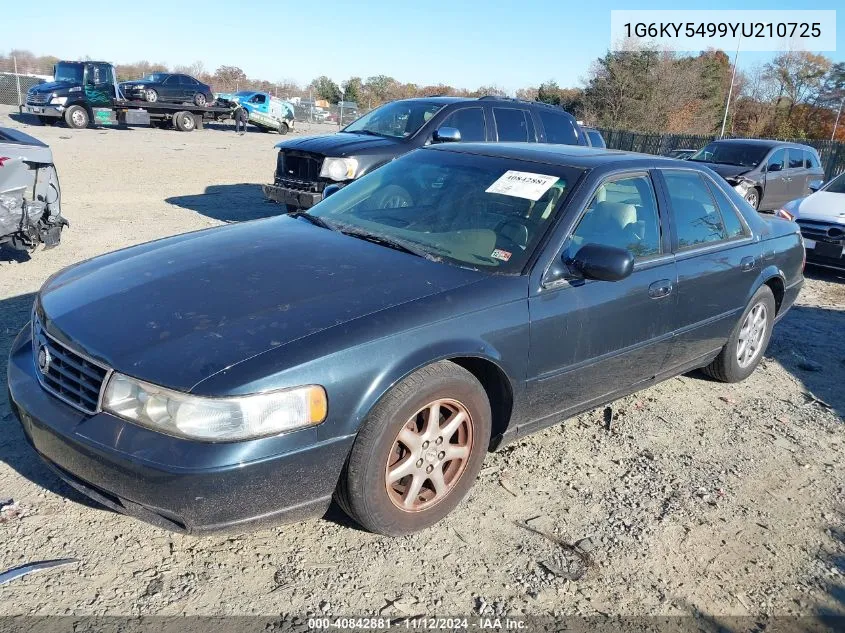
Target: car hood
[(725, 171), (177, 311), (341, 144), (52, 86), (823, 206)]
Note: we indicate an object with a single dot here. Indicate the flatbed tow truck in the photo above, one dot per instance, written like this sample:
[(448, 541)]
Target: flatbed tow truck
[(83, 93)]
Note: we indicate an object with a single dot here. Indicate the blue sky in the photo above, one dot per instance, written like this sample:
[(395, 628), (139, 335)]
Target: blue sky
[(465, 43)]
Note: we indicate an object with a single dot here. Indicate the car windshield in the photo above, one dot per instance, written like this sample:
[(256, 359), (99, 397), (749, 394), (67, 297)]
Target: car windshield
[(837, 185), (157, 77), (399, 119), (740, 154), (71, 73), (467, 210)]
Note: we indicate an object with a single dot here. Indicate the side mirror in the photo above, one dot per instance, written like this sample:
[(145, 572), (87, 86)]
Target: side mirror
[(603, 263), (774, 167), (815, 185), (331, 190), (447, 135)]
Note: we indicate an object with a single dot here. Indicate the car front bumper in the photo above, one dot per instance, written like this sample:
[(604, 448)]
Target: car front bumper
[(825, 254), (291, 197), (177, 484), (45, 110)]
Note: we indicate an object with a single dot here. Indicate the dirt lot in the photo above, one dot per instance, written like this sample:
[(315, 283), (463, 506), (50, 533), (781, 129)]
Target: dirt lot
[(695, 497)]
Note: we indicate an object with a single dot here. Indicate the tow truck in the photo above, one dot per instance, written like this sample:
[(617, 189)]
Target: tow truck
[(83, 93)]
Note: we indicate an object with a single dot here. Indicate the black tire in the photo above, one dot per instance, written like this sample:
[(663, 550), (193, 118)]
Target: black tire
[(284, 129), (151, 95), (726, 367), (184, 121), (363, 490), (77, 117), (200, 100), (752, 197)]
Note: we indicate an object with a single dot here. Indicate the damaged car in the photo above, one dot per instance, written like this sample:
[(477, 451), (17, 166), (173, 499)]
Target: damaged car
[(30, 196), (186, 382), (766, 173)]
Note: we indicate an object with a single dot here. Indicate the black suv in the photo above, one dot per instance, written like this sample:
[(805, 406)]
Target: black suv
[(306, 166)]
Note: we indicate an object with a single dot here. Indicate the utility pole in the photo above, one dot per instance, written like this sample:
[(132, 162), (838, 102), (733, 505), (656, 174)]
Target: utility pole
[(18, 78), (838, 114), (731, 89)]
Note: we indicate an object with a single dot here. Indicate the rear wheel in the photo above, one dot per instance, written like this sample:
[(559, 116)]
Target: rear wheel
[(150, 95), (418, 452), (200, 100), (284, 128), (749, 339), (77, 117), (184, 121)]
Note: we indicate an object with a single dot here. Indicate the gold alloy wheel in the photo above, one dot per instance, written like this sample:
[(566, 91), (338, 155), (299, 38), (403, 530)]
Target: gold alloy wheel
[(429, 455)]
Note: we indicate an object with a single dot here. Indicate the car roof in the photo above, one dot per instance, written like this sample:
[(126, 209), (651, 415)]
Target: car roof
[(65, 61), (445, 100), (759, 142), (567, 155)]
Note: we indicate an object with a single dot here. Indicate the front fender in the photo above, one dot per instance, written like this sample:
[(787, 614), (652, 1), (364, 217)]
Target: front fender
[(400, 368)]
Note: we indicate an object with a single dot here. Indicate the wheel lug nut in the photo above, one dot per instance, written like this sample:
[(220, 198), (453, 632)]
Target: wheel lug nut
[(438, 441), (425, 444), (419, 463), (429, 468), (441, 454)]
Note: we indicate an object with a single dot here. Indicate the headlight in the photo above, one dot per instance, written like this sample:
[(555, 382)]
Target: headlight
[(339, 168), (58, 100), (783, 213), (214, 419), (75, 89)]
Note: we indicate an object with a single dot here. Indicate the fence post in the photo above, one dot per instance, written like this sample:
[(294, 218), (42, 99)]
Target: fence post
[(18, 78)]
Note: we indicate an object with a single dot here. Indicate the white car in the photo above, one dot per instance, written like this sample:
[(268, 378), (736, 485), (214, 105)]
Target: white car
[(821, 216)]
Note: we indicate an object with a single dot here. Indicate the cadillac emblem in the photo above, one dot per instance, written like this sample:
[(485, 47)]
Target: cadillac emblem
[(44, 360)]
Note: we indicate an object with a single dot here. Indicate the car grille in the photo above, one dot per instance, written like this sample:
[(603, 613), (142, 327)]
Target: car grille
[(69, 376), (37, 98), (822, 231), (300, 171)]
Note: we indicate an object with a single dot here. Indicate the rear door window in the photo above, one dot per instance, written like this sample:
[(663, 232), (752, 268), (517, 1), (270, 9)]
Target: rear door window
[(558, 128), (796, 158), (730, 216), (810, 160), (514, 125), (695, 216), (469, 122)]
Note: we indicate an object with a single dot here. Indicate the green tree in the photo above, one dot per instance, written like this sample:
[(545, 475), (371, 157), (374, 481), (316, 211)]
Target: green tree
[(353, 89), (549, 92), (326, 89)]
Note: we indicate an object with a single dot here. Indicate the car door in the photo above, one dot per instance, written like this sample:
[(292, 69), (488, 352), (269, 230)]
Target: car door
[(796, 174), (471, 122), (590, 339), (717, 262), (775, 191), (514, 125), (171, 89)]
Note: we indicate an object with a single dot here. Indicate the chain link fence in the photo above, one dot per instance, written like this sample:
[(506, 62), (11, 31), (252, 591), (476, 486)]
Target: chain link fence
[(832, 153), (19, 75)]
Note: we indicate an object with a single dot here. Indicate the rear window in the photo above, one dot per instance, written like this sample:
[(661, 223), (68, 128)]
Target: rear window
[(558, 128), (514, 125)]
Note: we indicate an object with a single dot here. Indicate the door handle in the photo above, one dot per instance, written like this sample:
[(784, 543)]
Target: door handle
[(659, 289), (747, 263)]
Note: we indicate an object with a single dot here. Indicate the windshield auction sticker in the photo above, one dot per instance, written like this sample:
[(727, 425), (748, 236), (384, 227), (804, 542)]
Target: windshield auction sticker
[(522, 184)]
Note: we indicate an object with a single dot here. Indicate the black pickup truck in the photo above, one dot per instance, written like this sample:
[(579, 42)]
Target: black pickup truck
[(306, 166)]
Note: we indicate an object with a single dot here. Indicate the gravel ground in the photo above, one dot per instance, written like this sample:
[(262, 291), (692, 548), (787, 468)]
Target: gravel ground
[(690, 497)]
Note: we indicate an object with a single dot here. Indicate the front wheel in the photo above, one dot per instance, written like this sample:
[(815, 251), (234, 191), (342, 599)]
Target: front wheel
[(77, 117), (418, 452), (749, 339), (752, 197), (151, 95)]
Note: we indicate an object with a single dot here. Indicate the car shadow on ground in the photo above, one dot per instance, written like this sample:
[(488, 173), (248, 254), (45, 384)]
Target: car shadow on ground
[(14, 449), (229, 203)]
